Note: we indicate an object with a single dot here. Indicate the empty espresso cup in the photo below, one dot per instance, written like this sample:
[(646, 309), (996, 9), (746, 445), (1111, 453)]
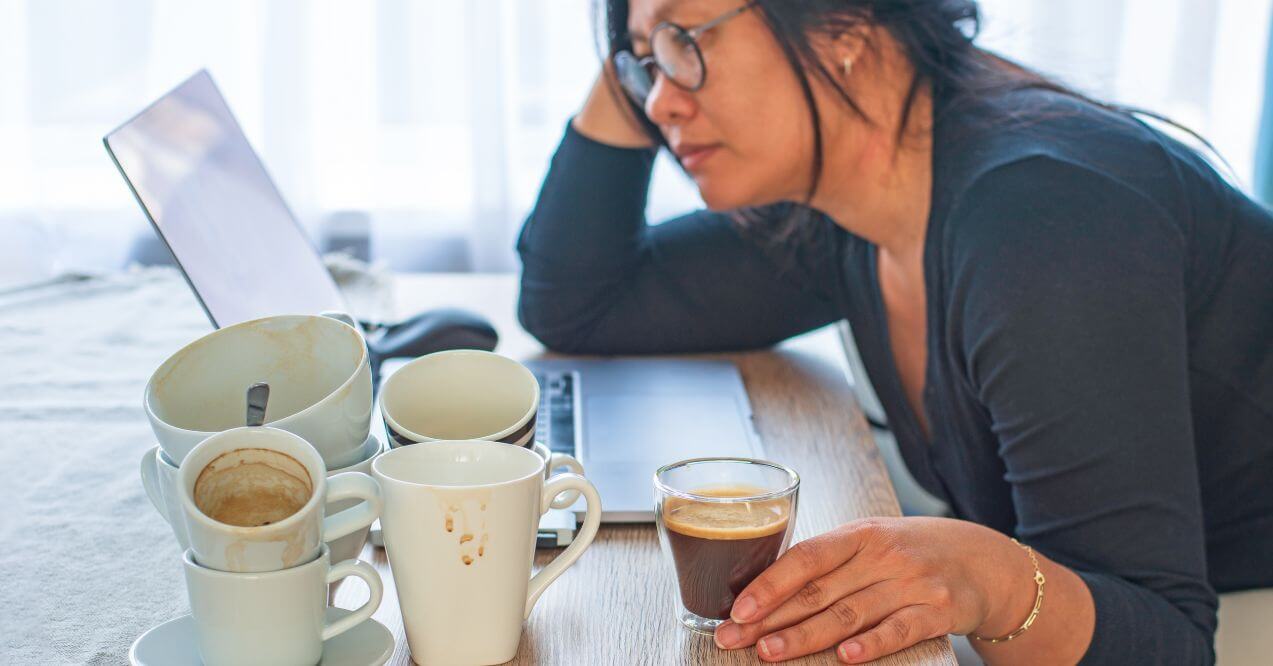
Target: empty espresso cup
[(317, 367), (466, 395), (253, 499), (274, 618), (459, 526), (159, 479)]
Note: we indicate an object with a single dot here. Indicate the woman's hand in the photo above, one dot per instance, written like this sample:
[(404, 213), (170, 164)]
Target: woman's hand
[(607, 117), (878, 586)]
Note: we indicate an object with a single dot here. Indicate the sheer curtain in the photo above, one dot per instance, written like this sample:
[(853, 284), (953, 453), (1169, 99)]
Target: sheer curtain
[(428, 123)]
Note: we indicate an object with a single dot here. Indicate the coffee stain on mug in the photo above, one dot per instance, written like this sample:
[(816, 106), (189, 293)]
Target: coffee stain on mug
[(235, 554), (294, 545), (250, 493), (469, 546)]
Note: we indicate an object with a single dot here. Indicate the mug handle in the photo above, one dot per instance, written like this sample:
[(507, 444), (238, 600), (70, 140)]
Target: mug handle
[(150, 481), (558, 460), (591, 521), (348, 485), (368, 574)]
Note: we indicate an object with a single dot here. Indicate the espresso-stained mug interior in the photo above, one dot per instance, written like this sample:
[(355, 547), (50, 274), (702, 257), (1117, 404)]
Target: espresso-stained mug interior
[(252, 487), (303, 359)]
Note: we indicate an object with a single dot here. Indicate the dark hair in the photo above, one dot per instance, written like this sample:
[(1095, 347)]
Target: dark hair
[(936, 36)]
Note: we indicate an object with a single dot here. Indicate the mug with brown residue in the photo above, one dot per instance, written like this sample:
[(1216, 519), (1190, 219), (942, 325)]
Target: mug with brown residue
[(253, 499)]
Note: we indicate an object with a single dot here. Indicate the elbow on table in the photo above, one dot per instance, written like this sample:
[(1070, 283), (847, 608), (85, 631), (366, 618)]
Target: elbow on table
[(560, 337)]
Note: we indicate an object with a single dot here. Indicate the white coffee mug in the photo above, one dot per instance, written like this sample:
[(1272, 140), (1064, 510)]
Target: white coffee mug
[(159, 479), (274, 618), (468, 394), (319, 373), (459, 526), (237, 466)]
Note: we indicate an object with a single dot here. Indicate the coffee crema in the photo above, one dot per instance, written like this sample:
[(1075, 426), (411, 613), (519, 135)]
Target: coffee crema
[(718, 548), (252, 488)]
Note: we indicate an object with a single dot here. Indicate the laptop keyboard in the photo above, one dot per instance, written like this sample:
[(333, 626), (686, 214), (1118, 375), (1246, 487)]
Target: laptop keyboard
[(555, 424)]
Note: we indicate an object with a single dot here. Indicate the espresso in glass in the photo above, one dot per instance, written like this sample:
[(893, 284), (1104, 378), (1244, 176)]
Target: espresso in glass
[(722, 521)]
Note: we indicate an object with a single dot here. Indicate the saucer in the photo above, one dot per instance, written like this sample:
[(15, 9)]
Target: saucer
[(173, 644)]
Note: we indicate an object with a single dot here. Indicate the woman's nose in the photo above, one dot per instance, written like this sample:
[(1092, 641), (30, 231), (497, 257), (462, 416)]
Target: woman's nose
[(668, 103)]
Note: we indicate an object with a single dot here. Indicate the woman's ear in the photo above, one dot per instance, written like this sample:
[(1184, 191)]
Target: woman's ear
[(847, 50)]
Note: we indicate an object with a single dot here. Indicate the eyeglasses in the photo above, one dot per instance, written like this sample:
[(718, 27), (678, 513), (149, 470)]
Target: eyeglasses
[(674, 52)]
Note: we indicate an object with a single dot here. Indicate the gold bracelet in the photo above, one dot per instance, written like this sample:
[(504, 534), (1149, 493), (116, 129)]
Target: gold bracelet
[(1038, 601)]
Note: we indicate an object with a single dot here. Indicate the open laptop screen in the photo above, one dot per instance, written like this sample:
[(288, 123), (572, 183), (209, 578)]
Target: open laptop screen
[(211, 200)]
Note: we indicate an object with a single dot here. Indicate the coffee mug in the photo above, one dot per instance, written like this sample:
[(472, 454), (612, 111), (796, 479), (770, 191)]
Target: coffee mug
[(459, 526), (159, 479), (464, 395), (317, 367), (254, 498), (274, 618)]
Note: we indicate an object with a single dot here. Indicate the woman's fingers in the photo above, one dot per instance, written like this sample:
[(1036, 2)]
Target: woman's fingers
[(842, 618), (816, 596), (896, 632), (806, 561)]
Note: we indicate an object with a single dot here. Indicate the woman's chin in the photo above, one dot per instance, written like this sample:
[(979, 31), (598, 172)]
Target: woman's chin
[(722, 196)]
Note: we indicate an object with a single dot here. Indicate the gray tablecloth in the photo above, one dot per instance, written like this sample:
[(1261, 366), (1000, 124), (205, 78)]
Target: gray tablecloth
[(87, 564)]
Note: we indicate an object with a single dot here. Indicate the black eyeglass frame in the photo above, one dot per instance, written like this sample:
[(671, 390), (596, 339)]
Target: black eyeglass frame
[(643, 63)]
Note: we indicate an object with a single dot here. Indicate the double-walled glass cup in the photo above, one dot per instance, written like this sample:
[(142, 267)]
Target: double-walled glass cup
[(722, 521)]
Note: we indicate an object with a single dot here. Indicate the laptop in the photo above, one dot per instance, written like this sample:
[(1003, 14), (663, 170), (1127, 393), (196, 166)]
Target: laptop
[(245, 256)]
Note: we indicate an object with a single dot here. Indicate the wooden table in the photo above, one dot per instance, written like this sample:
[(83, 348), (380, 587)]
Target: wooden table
[(616, 605)]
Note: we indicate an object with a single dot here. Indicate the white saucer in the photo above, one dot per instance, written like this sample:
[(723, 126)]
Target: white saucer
[(173, 644)]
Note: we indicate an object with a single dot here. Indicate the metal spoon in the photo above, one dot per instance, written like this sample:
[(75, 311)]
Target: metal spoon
[(258, 397)]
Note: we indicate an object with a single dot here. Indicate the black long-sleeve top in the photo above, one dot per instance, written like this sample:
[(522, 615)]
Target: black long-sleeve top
[(1099, 338)]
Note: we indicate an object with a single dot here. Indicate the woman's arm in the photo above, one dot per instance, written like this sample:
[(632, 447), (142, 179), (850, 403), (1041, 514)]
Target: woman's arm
[(597, 279), (1068, 293), (1076, 340)]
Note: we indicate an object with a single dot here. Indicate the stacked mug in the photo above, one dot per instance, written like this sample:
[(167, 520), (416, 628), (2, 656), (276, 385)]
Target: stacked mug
[(266, 527), (465, 486), (262, 519), (319, 374)]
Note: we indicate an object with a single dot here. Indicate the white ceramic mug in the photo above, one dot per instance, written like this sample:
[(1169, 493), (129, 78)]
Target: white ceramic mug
[(296, 471), (459, 526), (319, 373), (468, 394), (274, 618), (159, 479)]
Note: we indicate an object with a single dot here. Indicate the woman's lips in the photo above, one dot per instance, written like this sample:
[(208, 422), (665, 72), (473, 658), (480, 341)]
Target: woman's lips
[(692, 156)]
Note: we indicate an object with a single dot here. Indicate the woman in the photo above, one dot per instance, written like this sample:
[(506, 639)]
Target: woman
[(1067, 315)]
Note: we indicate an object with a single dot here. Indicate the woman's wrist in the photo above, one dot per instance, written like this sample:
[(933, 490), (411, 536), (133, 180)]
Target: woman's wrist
[(1010, 589)]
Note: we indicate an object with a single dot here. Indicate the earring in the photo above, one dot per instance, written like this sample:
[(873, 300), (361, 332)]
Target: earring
[(848, 67)]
